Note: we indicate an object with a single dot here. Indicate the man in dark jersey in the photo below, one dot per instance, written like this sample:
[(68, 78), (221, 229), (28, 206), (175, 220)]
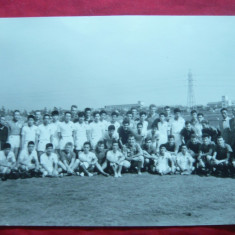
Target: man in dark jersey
[(205, 153), (194, 148), (149, 153), (222, 157), (209, 130), (187, 132), (3, 132), (124, 131)]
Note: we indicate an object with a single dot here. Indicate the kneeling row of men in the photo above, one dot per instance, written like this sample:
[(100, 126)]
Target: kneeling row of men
[(132, 158)]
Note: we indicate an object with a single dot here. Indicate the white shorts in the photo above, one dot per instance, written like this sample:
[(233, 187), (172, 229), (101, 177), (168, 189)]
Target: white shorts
[(124, 163), (42, 145), (87, 165), (14, 141), (56, 143), (64, 141)]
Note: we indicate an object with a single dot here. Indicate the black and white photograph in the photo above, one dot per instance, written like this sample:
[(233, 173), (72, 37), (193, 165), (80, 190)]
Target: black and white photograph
[(117, 121)]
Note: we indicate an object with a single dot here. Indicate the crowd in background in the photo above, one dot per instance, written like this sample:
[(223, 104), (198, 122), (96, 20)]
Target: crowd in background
[(88, 143)]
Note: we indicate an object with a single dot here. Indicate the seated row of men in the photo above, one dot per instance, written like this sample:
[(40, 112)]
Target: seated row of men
[(207, 158)]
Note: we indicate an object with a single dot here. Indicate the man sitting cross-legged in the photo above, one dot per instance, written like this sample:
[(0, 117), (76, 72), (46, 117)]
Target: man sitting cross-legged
[(117, 160), (133, 153), (205, 155), (150, 154), (221, 158), (28, 163), (68, 162), (184, 161), (88, 161), (7, 162), (164, 163), (49, 162)]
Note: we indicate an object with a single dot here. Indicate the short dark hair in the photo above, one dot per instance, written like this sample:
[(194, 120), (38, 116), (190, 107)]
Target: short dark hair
[(49, 145), (187, 122), (111, 128), (143, 113), (114, 142), (200, 114), (128, 112), (100, 142), (162, 114), (30, 116), (67, 112), (55, 113), (162, 146), (87, 143), (152, 106), (139, 124), (219, 137), (16, 111), (103, 111), (46, 115), (87, 109), (177, 110), (125, 121), (95, 113), (223, 109), (205, 136), (130, 136), (81, 114), (74, 106), (31, 143), (167, 107), (6, 146), (171, 136), (69, 144), (114, 113), (193, 111), (148, 139)]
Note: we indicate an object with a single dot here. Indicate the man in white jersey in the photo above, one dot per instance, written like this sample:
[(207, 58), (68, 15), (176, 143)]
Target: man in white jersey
[(49, 162), (7, 161), (44, 135), (153, 115), (55, 124), (15, 127), (104, 122), (28, 132), (184, 161), (74, 116), (163, 129), (95, 130), (117, 160), (28, 161), (88, 161), (110, 137), (142, 120), (38, 118), (114, 116), (81, 132), (177, 125), (66, 131), (163, 164)]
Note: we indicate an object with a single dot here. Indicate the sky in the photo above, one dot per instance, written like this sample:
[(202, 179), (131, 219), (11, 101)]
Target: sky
[(98, 61)]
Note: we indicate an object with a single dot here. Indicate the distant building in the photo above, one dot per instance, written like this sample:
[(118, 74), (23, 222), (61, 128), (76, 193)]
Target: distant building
[(224, 103), (126, 107)]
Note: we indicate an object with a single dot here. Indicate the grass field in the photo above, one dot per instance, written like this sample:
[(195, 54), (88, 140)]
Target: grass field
[(131, 200)]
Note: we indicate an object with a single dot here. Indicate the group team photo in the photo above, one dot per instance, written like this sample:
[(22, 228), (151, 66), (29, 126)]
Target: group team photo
[(86, 143)]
